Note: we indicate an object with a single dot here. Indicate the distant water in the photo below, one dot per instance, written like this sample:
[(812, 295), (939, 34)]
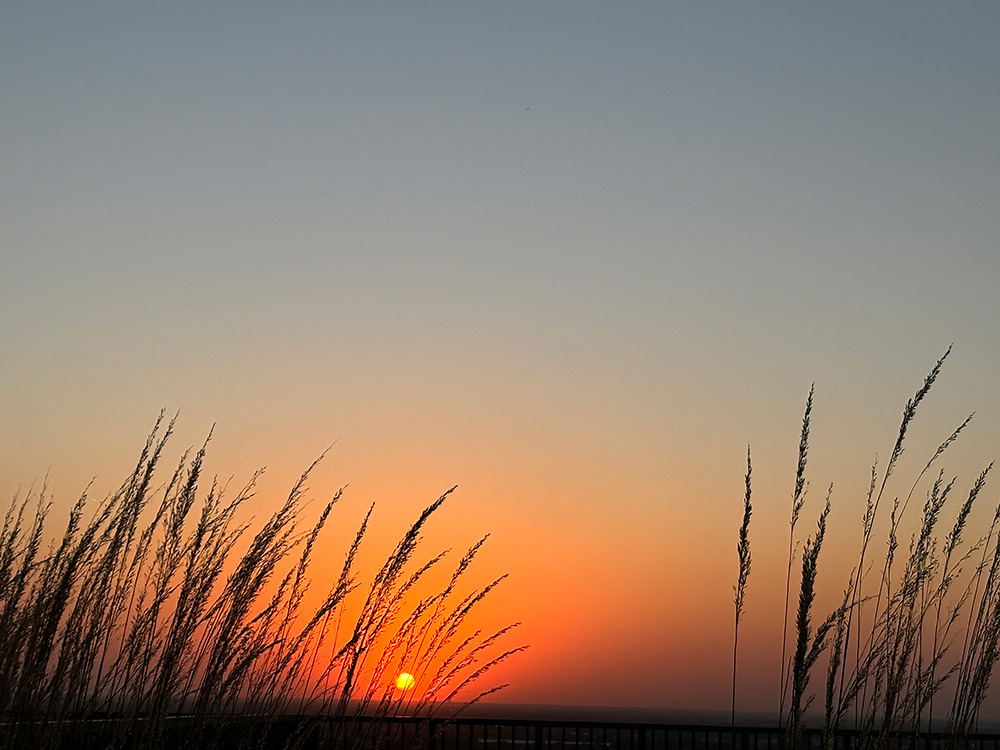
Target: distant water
[(653, 715), (618, 714)]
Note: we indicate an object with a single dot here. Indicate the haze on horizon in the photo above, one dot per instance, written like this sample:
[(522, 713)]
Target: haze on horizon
[(572, 257)]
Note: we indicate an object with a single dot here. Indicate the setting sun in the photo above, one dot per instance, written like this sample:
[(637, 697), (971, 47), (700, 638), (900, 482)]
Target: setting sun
[(405, 681)]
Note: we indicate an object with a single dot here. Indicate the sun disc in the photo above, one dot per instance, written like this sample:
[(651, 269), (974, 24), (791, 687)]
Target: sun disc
[(405, 681)]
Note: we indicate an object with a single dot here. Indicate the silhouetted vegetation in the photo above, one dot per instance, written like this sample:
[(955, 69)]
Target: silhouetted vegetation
[(918, 630), (740, 589), (160, 617)]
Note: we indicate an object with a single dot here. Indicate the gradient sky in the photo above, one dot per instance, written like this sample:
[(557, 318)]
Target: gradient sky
[(572, 257)]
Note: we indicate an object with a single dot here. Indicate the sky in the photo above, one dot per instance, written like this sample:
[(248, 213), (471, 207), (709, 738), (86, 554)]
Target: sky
[(571, 257)]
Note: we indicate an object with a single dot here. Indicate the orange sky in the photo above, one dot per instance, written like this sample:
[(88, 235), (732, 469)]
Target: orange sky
[(621, 569)]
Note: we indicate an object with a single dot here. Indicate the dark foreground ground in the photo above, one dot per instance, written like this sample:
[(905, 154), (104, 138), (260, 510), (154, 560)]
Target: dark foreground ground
[(488, 727)]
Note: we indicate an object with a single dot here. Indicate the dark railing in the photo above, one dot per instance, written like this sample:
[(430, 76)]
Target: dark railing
[(513, 734), (411, 733)]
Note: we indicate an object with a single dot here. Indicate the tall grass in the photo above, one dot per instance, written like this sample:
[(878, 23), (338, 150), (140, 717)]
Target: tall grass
[(915, 633), (798, 500), (161, 602), (744, 557)]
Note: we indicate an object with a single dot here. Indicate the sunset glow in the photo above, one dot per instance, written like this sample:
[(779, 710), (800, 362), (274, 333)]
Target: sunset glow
[(570, 258)]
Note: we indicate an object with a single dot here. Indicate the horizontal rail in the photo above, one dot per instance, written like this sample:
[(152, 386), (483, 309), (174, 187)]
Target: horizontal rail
[(469, 733), (409, 733)]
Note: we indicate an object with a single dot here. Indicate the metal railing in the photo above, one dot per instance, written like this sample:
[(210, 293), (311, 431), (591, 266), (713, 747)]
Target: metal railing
[(462, 733), (513, 734)]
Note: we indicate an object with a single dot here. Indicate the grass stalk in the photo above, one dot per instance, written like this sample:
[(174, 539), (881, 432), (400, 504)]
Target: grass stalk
[(798, 500), (739, 590)]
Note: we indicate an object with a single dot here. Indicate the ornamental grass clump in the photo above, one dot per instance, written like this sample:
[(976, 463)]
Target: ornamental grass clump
[(913, 643), (161, 617)]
